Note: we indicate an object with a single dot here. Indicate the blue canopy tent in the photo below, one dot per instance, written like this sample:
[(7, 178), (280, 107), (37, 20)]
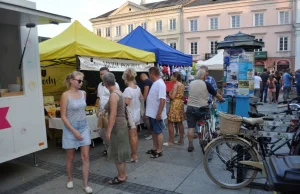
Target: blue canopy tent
[(165, 55)]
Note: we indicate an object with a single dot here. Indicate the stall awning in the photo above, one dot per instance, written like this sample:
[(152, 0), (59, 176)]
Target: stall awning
[(18, 15), (77, 40)]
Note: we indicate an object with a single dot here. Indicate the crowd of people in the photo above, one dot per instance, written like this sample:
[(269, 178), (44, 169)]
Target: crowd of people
[(268, 85), (126, 110)]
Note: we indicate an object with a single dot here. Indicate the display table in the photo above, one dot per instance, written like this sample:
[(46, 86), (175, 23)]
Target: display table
[(56, 123)]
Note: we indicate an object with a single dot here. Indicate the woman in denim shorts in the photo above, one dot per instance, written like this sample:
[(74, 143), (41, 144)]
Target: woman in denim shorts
[(76, 132)]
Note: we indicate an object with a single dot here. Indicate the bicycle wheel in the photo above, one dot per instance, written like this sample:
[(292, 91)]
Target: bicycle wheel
[(203, 141), (224, 168)]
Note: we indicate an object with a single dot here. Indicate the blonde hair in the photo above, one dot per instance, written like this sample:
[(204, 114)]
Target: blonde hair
[(72, 76), (129, 75)]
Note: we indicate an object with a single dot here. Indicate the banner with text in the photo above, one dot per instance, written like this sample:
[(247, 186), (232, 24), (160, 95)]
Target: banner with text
[(94, 64), (53, 79)]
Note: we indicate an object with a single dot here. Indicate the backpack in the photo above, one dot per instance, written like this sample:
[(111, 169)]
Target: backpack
[(271, 85)]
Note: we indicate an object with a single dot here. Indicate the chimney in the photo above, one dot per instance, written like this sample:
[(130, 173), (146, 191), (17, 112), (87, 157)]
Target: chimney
[(143, 2)]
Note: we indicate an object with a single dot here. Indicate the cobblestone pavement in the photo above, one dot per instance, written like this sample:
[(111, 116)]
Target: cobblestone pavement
[(177, 171)]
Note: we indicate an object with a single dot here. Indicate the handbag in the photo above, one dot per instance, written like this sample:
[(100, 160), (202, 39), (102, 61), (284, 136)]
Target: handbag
[(102, 121), (130, 122)]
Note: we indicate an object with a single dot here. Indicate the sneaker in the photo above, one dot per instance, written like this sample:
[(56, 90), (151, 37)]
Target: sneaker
[(149, 137), (167, 144), (88, 190), (70, 185)]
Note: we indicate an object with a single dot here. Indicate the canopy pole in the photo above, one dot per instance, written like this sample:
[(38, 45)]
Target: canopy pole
[(77, 63)]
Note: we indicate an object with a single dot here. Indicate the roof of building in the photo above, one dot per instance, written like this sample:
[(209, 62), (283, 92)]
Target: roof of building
[(208, 2), (155, 5)]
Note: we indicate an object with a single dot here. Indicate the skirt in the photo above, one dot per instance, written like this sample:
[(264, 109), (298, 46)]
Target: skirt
[(119, 147), (69, 141)]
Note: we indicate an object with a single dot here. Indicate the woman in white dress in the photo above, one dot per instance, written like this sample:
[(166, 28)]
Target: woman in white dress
[(133, 96)]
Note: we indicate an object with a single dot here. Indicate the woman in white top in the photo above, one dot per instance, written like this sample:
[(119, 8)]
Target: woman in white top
[(132, 96)]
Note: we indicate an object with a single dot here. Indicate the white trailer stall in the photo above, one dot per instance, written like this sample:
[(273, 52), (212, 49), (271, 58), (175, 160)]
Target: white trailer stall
[(22, 121)]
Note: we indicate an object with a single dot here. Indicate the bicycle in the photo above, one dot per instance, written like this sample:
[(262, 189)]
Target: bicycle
[(206, 123), (246, 151)]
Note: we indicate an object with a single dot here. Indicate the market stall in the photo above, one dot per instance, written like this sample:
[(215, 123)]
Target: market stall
[(60, 55), (77, 48)]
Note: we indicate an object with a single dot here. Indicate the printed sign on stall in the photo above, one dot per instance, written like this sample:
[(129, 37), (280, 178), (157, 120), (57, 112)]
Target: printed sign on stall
[(94, 64)]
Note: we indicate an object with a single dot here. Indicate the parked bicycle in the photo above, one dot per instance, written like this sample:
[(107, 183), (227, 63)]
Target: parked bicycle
[(240, 152), (206, 124)]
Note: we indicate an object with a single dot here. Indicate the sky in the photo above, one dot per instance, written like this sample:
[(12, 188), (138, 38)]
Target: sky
[(81, 10)]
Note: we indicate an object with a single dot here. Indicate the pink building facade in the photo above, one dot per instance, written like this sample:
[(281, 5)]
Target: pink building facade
[(206, 22)]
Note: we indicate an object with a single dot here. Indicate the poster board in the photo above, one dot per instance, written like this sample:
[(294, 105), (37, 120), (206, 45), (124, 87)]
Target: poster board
[(238, 72)]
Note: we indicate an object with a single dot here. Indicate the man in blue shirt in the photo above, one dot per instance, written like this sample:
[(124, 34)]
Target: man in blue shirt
[(287, 84), (297, 79)]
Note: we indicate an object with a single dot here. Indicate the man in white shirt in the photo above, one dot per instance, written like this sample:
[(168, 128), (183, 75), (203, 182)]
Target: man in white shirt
[(103, 97), (156, 111), (102, 91), (257, 85)]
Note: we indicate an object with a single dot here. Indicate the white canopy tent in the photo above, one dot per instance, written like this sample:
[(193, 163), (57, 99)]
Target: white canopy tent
[(214, 63)]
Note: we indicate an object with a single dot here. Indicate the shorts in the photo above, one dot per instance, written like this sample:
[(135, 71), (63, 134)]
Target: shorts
[(69, 141), (191, 117), (156, 126)]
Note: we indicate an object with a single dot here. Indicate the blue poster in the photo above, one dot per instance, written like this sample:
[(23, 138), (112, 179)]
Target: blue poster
[(243, 70)]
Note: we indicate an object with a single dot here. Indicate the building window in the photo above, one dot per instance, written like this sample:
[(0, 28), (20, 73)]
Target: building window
[(213, 47), (214, 23), (284, 17), (173, 45), (107, 32), (118, 30), (235, 21), (194, 48), (172, 24), (260, 40), (283, 43), (193, 25), (258, 19), (159, 26), (99, 32), (144, 25), (130, 28)]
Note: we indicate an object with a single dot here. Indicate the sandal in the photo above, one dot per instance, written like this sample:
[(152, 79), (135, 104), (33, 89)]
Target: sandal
[(150, 151), (167, 144), (179, 143), (133, 160), (116, 181), (190, 149), (156, 154)]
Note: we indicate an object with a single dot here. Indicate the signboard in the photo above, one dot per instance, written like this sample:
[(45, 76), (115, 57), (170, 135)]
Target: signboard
[(94, 64), (53, 80), (239, 73)]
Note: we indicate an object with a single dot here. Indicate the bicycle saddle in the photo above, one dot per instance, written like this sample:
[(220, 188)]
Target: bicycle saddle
[(255, 115), (253, 121)]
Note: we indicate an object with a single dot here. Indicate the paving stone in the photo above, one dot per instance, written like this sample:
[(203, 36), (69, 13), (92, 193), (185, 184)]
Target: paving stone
[(155, 174), (58, 185), (13, 174)]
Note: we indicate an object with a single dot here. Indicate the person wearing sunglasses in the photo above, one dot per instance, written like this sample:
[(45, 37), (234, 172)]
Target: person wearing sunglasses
[(76, 132)]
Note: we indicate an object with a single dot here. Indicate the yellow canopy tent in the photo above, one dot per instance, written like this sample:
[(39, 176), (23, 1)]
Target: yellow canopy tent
[(58, 55)]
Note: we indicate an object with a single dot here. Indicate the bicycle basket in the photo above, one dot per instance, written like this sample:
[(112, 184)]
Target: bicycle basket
[(229, 124)]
